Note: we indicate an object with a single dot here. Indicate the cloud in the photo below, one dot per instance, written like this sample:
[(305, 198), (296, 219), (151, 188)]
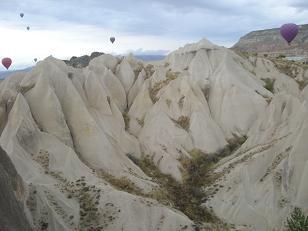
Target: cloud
[(70, 27)]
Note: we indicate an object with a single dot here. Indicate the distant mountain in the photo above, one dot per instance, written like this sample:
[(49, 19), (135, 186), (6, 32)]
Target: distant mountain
[(4, 74), (150, 57), (270, 41), (84, 60)]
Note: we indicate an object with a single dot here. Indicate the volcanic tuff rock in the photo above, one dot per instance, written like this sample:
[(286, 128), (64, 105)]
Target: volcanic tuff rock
[(82, 140), (270, 41), (12, 197)]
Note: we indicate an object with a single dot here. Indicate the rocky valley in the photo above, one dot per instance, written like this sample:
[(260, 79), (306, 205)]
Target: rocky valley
[(205, 139)]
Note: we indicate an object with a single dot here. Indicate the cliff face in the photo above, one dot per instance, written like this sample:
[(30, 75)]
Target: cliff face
[(270, 41), (12, 217)]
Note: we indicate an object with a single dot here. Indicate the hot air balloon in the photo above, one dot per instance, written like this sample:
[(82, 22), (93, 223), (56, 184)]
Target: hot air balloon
[(6, 62), (21, 15), (28, 28), (289, 31), (35, 59), (112, 39)]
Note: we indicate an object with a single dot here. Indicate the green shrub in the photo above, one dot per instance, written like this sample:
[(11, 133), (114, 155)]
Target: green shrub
[(269, 84), (281, 56), (297, 221)]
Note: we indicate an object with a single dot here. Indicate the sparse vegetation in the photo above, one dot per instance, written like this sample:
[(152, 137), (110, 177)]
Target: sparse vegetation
[(236, 142), (168, 102), (243, 54), (126, 120), (138, 69), (183, 122), (140, 122), (281, 56), (292, 69), (88, 197), (187, 196), (158, 86), (269, 84), (122, 183), (302, 84), (181, 102), (297, 221), (149, 70)]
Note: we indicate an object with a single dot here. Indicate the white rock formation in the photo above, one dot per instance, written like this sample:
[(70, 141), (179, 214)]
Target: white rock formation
[(75, 135)]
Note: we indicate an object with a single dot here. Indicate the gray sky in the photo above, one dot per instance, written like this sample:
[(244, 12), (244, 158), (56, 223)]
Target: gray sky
[(64, 28)]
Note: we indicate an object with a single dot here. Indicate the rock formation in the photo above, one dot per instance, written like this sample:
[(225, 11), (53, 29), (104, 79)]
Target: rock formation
[(270, 42), (202, 140), (12, 197)]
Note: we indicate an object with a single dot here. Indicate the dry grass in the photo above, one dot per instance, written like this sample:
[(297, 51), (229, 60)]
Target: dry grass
[(183, 122), (126, 120), (158, 86)]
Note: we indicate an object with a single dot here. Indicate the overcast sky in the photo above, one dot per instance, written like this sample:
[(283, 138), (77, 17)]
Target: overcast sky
[(64, 28)]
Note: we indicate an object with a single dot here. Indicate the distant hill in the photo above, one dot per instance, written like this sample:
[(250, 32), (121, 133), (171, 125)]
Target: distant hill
[(270, 41), (84, 60), (4, 74), (150, 57)]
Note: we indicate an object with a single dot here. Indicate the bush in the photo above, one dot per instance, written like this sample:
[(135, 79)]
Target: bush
[(269, 84), (281, 56), (297, 221)]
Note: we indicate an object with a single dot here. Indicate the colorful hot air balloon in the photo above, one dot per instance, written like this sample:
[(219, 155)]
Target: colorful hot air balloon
[(28, 28), (21, 15), (112, 39), (289, 31), (6, 62)]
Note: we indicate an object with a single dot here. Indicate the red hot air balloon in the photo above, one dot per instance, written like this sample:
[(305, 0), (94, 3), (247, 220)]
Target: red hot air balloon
[(112, 39), (6, 62), (289, 31)]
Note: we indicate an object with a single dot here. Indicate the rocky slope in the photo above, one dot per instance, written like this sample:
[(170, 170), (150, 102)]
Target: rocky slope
[(271, 42), (12, 195), (203, 140)]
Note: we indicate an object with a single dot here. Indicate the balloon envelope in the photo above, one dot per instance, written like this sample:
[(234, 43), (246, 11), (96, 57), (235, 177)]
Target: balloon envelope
[(35, 59), (289, 31), (6, 62), (21, 14), (28, 28), (112, 39)]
